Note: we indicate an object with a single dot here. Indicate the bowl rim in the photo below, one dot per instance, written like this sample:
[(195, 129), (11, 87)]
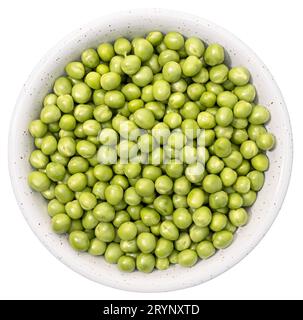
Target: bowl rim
[(285, 171)]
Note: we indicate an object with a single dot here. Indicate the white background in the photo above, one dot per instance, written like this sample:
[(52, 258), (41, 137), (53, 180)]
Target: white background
[(272, 28)]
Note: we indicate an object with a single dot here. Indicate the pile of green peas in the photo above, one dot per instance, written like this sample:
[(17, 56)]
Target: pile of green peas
[(149, 151)]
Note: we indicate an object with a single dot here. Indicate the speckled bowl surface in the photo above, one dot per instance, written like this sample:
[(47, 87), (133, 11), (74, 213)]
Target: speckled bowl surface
[(130, 24)]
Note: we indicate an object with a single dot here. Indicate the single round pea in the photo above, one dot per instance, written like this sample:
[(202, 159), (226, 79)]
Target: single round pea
[(164, 185), (212, 183), (246, 92), (205, 249), (168, 55), (234, 160), (146, 242), (198, 234), (256, 180), (171, 71), (74, 210), (218, 73), (90, 58), (265, 141), (149, 216), (191, 66), (249, 198), (242, 184), (38, 159), (249, 149), (183, 242), (79, 240), (202, 216), (145, 262), (127, 231), (113, 194), (214, 54), (161, 90), (195, 198), (131, 197), (75, 70), (105, 232), (49, 114), (174, 40), (218, 200), (37, 128), (114, 99), (218, 222), (162, 263), (224, 117), (110, 81), (206, 120), (113, 253), (169, 231), (182, 218), (194, 47), (187, 258), (87, 200), (227, 99), (195, 172), (238, 217), (106, 51), (222, 239), (126, 264), (61, 223), (104, 212), (144, 118), (239, 76), (145, 187), (81, 92), (38, 181), (62, 86), (163, 248), (222, 147), (260, 162), (143, 49), (54, 207), (182, 186), (228, 176), (155, 37), (97, 247), (85, 148)]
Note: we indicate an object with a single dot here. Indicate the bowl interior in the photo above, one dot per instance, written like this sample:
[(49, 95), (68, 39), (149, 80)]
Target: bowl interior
[(131, 24)]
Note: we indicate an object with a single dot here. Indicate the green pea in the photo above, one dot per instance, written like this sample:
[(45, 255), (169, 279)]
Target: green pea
[(126, 264), (146, 242), (81, 92), (171, 71), (174, 40), (114, 99), (97, 247), (256, 180), (195, 198), (155, 37), (131, 197), (238, 217), (265, 141), (183, 242), (143, 49), (205, 249), (191, 66), (164, 184), (194, 47), (222, 239), (62, 86), (113, 194), (161, 90), (79, 240), (164, 248), (85, 148), (90, 58), (228, 176), (187, 258), (87, 200), (239, 76), (182, 218), (168, 55), (145, 262), (105, 232), (212, 183), (260, 162), (214, 54), (246, 92), (218, 200), (38, 181), (144, 118), (169, 231), (218, 73), (242, 184), (249, 198), (61, 223), (113, 253), (222, 147), (202, 216)]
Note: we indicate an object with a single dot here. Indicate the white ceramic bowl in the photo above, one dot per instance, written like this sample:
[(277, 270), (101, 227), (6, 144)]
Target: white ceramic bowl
[(130, 24)]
